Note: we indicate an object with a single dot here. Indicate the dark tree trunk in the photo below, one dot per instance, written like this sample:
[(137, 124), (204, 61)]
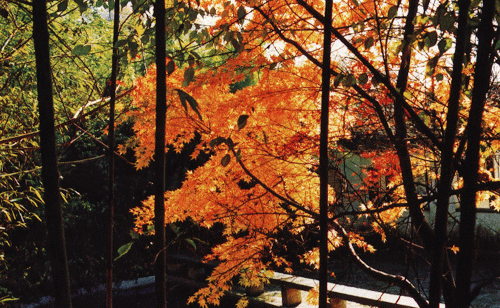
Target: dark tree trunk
[(447, 168), (50, 174), (482, 76), (111, 159), (418, 220), (161, 109), (323, 158)]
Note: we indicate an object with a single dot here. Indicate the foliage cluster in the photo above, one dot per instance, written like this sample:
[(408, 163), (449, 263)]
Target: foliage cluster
[(79, 76), (394, 83)]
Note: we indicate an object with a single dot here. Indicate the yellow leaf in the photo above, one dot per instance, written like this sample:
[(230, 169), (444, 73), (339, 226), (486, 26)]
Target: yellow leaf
[(242, 303)]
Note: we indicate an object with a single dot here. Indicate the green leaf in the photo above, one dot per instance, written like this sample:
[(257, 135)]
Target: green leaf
[(369, 42), (421, 20), (188, 76), (430, 39), (170, 67), (349, 81), (184, 97), (199, 241), (81, 50), (132, 45), (407, 95), (431, 66), (264, 33), (225, 160), (174, 228), (82, 5), (238, 155), (191, 60), (393, 11), (237, 46), (121, 43), (439, 77), (356, 3), (497, 45), (192, 15), (191, 242), (447, 22), (444, 45), (421, 44), (363, 79), (337, 80), (134, 235), (124, 249), (230, 142), (216, 141), (242, 121), (195, 54), (358, 27), (62, 6), (357, 41), (241, 14)]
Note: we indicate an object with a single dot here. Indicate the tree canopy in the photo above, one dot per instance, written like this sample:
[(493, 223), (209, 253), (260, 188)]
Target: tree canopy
[(397, 99)]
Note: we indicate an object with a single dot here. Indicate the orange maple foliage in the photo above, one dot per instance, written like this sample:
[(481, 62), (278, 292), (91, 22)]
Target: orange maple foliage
[(263, 139), (278, 146)]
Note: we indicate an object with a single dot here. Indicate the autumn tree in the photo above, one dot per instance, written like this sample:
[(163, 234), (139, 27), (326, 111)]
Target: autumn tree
[(409, 95)]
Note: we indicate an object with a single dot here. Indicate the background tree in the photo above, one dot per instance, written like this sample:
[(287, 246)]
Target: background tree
[(161, 110), (324, 158), (111, 153), (50, 174), (80, 39)]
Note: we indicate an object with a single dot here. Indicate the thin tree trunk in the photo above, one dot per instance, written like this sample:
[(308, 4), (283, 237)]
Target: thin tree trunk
[(401, 146), (111, 158), (161, 109), (400, 118), (482, 76), (447, 169), (323, 158), (50, 173)]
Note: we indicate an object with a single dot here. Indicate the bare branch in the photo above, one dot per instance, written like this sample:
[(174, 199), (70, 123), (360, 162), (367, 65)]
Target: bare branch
[(398, 280), (272, 191), (72, 121)]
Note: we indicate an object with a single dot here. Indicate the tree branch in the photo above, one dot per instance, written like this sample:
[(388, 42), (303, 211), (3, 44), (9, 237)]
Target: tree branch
[(69, 122), (378, 76), (272, 191), (398, 280)]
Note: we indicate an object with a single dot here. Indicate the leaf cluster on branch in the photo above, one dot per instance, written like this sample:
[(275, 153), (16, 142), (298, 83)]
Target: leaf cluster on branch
[(399, 116)]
